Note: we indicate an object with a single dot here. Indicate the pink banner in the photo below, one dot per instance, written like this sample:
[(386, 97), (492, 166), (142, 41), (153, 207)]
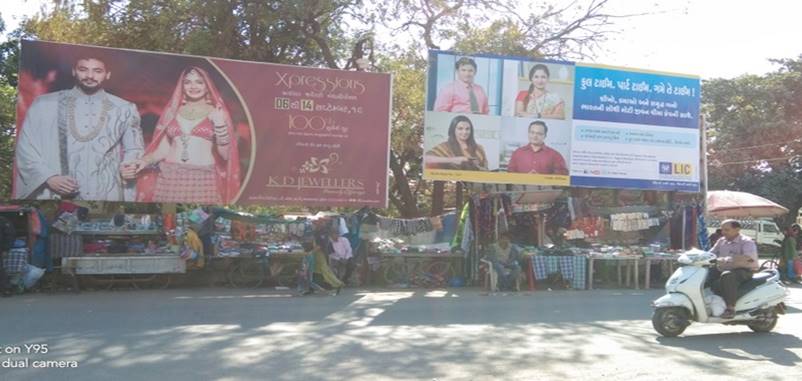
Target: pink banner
[(124, 125)]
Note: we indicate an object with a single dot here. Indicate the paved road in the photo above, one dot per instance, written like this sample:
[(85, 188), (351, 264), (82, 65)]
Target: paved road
[(460, 334)]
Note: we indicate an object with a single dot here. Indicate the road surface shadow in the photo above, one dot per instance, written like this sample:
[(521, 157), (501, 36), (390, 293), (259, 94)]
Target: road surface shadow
[(774, 347)]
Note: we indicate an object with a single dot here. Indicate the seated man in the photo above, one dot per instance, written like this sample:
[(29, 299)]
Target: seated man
[(737, 261), (504, 257), (341, 255)]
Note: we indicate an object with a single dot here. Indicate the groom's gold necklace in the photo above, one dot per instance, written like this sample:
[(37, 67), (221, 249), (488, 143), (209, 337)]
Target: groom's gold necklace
[(104, 116)]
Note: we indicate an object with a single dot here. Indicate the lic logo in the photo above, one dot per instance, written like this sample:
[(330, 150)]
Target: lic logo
[(682, 169)]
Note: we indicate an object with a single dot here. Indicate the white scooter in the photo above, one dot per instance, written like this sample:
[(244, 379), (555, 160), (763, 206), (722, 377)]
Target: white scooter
[(759, 300)]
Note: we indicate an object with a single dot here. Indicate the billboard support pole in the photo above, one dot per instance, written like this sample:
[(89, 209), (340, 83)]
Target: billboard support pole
[(703, 125)]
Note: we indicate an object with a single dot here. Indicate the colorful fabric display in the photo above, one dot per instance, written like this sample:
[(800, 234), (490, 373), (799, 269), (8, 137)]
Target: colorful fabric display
[(242, 231)]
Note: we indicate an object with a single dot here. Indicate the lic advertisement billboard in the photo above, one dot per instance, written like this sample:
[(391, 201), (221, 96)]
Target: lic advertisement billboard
[(525, 121)]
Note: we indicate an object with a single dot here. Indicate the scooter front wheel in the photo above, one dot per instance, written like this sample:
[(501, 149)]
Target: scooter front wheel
[(763, 326), (670, 321)]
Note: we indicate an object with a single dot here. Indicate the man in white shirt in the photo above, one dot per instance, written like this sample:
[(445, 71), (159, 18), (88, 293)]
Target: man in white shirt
[(341, 254), (737, 261)]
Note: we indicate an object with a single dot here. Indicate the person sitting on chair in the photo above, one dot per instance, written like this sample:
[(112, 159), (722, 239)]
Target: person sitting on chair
[(737, 261), (504, 258)]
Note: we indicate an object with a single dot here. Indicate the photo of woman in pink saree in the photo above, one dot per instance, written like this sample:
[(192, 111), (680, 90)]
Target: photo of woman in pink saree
[(193, 155)]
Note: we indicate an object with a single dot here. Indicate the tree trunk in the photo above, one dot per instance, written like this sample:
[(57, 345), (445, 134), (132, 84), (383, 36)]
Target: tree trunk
[(409, 208)]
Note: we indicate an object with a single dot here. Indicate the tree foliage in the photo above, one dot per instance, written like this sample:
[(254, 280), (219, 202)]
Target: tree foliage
[(9, 58), (755, 133)]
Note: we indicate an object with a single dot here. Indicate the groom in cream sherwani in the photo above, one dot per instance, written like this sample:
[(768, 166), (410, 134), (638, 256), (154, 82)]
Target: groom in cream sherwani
[(78, 143)]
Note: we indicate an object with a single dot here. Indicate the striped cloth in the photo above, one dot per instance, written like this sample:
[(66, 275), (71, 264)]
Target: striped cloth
[(65, 245), (573, 268), (15, 260)]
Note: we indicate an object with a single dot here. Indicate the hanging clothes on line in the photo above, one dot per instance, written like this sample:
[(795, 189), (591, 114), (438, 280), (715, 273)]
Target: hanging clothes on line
[(397, 227)]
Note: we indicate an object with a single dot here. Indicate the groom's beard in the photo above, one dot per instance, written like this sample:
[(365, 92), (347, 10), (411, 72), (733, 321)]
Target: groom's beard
[(89, 86)]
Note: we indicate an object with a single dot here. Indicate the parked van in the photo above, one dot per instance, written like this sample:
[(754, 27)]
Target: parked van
[(764, 232)]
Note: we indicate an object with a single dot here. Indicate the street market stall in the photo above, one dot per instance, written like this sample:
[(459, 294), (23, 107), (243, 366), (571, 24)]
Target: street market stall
[(415, 252), (113, 248), (580, 238)]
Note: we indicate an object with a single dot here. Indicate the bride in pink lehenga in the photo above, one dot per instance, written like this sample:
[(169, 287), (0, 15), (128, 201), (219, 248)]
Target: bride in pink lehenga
[(193, 155)]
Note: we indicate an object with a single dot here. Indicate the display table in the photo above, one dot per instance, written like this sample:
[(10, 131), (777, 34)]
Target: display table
[(126, 266), (123, 264), (628, 263), (671, 260), (573, 268)]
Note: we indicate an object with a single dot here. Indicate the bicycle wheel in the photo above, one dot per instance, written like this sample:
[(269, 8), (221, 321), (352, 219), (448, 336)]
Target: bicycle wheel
[(283, 275), (439, 271), (247, 273)]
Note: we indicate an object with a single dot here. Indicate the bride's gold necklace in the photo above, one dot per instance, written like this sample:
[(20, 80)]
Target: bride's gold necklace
[(194, 111), (191, 112)]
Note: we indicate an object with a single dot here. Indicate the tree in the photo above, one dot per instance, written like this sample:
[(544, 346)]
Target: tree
[(755, 133), (338, 34), (9, 57)]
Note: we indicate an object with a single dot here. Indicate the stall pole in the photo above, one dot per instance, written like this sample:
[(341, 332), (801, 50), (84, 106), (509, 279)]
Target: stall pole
[(684, 225), (541, 229), (460, 201), (437, 198)]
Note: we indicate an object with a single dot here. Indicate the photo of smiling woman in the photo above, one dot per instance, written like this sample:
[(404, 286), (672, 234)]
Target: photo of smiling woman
[(460, 151), (537, 101)]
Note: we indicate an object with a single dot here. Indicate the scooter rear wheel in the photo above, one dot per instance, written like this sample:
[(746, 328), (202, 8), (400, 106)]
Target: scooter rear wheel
[(670, 321), (764, 325)]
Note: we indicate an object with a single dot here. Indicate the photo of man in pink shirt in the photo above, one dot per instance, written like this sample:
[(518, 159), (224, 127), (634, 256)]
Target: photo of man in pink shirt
[(463, 95), (536, 157)]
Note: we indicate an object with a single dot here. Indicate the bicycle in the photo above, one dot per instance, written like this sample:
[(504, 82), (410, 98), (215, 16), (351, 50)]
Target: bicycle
[(253, 271), (250, 271)]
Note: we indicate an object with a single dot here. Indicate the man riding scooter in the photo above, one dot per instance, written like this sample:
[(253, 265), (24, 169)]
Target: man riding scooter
[(737, 261)]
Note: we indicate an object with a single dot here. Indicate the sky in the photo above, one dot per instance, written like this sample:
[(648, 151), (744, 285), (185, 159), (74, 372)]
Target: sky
[(709, 38)]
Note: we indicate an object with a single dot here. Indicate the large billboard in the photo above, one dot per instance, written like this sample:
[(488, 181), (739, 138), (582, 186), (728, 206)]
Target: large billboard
[(525, 121), (121, 125)]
